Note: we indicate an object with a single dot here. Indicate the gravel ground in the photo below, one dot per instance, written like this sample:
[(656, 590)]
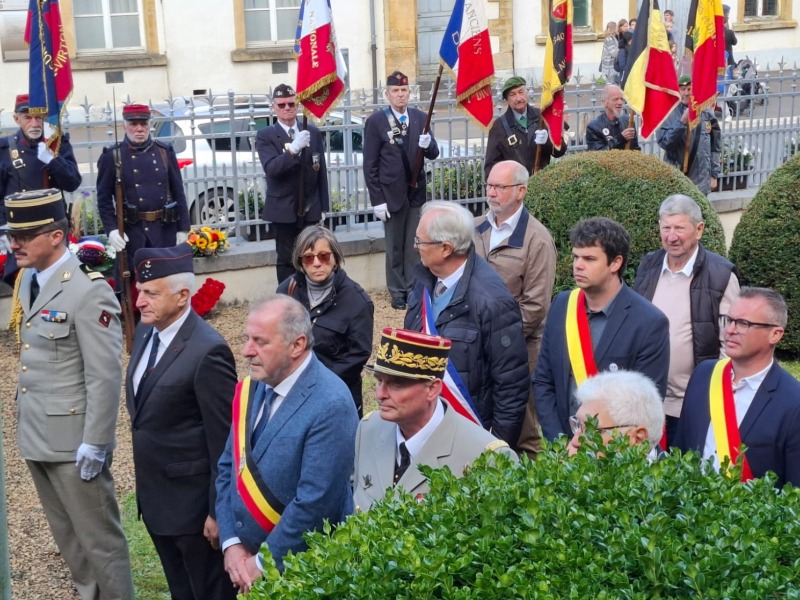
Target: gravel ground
[(37, 569)]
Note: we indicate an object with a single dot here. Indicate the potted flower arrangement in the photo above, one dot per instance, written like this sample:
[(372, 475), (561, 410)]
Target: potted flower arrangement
[(207, 241), (737, 159)]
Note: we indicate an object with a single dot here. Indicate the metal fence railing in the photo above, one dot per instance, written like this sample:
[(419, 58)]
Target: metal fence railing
[(214, 138)]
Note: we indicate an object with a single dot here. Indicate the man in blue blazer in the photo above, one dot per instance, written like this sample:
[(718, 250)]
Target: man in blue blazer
[(766, 397), (627, 332), (287, 464)]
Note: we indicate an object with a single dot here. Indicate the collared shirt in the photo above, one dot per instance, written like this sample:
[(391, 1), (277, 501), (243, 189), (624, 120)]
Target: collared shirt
[(502, 232), (416, 442), (165, 337), (687, 269), (518, 116), (42, 277), (287, 127), (743, 394), (452, 280), (397, 116)]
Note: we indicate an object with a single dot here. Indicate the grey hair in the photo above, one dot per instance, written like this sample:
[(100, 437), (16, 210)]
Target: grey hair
[(777, 305), (180, 281), (678, 204), (450, 223), (306, 241), (294, 320), (607, 90), (631, 399)]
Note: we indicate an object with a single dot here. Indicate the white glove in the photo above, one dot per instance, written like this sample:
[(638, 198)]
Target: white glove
[(381, 211), (300, 141), (44, 154), (181, 237), (5, 247), (541, 136), (424, 140), (90, 459), (118, 241)]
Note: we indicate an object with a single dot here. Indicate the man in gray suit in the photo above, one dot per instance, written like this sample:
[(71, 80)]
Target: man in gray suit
[(68, 393), (287, 464), (413, 424), (180, 381)]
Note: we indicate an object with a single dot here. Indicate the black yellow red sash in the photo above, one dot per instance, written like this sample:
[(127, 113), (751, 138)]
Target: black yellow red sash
[(579, 338), (723, 416), (262, 504)]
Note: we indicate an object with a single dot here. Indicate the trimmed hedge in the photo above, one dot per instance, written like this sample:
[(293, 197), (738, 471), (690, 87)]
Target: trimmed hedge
[(623, 185), (580, 527), (766, 241)]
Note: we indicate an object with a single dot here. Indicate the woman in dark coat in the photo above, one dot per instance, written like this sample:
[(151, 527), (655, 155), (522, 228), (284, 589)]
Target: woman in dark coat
[(341, 311)]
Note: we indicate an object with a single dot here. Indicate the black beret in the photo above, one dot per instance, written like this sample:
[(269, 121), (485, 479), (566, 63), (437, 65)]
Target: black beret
[(283, 91), (397, 78)]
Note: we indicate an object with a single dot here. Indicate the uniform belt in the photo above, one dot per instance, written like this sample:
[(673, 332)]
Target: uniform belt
[(151, 215)]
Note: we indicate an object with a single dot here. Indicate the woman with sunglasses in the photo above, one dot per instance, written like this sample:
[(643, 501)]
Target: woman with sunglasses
[(340, 309)]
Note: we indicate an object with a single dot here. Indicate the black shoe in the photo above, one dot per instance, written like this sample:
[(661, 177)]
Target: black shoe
[(398, 303)]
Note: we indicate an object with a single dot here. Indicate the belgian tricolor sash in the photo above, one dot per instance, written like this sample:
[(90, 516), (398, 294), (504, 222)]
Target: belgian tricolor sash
[(723, 416), (579, 338), (262, 504)]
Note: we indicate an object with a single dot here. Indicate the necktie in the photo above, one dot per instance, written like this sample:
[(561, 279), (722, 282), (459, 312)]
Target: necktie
[(291, 133), (523, 120), (405, 462), (151, 360), (269, 398), (34, 288), (440, 289)]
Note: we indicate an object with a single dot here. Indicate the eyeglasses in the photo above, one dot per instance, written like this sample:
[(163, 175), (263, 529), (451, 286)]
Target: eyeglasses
[(308, 259), (284, 104), (741, 326), (501, 188), (419, 242), (25, 238), (578, 427)]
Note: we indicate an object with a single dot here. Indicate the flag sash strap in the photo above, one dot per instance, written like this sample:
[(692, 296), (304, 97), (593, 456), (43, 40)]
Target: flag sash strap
[(453, 388), (723, 416), (259, 500), (579, 338)]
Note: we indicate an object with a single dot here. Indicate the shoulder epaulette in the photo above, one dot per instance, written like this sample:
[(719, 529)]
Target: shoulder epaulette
[(93, 275), (496, 445)]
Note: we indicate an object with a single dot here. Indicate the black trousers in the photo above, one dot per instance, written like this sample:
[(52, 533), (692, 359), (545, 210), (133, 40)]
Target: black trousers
[(285, 236)]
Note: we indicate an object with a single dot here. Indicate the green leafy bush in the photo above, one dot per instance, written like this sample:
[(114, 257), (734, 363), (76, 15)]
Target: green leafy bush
[(766, 240), (463, 180), (622, 185), (581, 527)]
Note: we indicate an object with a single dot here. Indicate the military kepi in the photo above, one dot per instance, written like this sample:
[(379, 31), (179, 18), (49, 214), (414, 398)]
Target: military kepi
[(397, 78), (33, 209), (136, 112), (283, 91), (155, 263), (411, 354), (22, 103)]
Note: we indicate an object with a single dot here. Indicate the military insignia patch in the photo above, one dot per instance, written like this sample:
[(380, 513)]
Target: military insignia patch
[(105, 318)]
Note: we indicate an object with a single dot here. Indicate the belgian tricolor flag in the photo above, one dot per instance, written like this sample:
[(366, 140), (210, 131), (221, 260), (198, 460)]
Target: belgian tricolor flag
[(557, 68), (705, 44), (650, 84)]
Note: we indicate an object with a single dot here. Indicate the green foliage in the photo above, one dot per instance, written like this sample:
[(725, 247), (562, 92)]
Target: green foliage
[(148, 575), (255, 202), (600, 526), (461, 181), (625, 186), (765, 243)]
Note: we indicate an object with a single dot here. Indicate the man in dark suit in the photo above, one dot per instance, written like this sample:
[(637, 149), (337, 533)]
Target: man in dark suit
[(392, 139), (602, 325), (180, 382), (764, 400), (287, 464), (293, 158)]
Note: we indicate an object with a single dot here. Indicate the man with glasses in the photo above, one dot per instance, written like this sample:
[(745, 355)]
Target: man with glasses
[(28, 163), (459, 296), (522, 252), (155, 211), (293, 157), (746, 398), (68, 391), (413, 425)]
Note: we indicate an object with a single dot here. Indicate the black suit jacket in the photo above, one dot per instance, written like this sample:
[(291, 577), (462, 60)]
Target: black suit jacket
[(283, 175), (770, 429), (180, 425)]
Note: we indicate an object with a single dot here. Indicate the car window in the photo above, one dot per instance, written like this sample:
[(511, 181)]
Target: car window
[(335, 137), (171, 132), (222, 128)]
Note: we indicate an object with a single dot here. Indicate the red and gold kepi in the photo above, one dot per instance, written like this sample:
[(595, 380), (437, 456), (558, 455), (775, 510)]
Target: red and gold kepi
[(22, 103), (411, 354), (136, 112), (34, 209)]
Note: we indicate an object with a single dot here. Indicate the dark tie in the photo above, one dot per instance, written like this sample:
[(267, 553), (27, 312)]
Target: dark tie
[(291, 133), (34, 288), (523, 120), (405, 462), (269, 398), (151, 360), (440, 289)]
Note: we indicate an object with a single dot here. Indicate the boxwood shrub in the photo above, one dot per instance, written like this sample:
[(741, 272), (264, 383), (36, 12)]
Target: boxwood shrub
[(766, 241), (608, 527), (622, 185)]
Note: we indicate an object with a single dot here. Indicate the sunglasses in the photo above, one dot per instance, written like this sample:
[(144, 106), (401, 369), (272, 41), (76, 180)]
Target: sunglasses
[(284, 104), (308, 259)]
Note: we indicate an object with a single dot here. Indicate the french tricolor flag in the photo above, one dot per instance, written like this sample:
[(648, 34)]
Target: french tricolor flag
[(467, 53), (320, 65)]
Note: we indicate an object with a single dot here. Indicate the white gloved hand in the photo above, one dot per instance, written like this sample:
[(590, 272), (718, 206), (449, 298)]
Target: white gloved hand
[(90, 459), (300, 141), (424, 140), (181, 237), (381, 211), (5, 247), (541, 136), (44, 154), (117, 240)]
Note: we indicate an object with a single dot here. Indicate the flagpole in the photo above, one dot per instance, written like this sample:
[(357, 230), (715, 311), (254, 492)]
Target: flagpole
[(631, 123), (538, 147), (686, 149), (421, 151)]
